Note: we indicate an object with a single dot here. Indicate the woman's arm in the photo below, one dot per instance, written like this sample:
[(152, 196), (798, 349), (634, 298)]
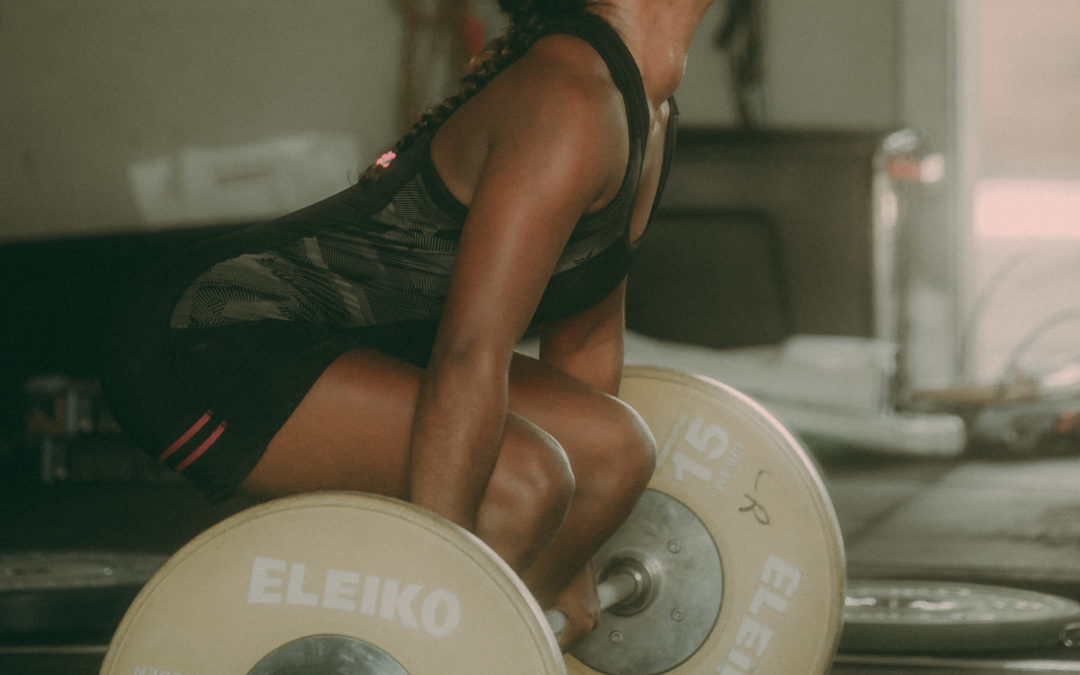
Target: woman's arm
[(589, 345), (555, 150)]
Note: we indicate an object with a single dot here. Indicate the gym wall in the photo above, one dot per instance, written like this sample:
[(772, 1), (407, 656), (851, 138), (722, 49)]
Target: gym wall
[(97, 95), (106, 94)]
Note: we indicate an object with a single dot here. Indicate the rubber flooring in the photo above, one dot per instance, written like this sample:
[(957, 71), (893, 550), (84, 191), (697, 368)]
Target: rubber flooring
[(1014, 523)]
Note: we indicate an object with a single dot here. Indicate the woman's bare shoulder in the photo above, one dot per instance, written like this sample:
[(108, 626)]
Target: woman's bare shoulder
[(556, 109), (561, 93), (562, 72)]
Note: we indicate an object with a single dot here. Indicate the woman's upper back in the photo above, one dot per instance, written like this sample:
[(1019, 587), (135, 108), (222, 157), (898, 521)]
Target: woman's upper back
[(394, 263)]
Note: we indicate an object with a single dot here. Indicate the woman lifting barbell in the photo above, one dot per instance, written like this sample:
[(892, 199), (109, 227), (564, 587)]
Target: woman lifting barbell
[(367, 342)]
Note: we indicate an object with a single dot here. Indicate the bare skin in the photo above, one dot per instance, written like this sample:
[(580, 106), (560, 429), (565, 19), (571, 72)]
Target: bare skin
[(537, 457)]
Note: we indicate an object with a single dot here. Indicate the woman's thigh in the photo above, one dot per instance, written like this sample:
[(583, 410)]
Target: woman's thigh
[(352, 429)]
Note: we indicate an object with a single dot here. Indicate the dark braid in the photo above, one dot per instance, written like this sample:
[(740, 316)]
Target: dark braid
[(527, 20)]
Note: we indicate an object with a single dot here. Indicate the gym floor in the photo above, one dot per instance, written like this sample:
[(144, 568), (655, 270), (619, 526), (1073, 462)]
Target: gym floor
[(1012, 523), (1005, 522)]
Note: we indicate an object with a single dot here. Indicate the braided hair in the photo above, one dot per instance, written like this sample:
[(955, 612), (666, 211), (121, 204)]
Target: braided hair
[(528, 18)]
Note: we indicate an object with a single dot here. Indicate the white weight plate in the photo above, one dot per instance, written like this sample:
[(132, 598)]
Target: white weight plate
[(910, 616), (375, 575), (759, 494)]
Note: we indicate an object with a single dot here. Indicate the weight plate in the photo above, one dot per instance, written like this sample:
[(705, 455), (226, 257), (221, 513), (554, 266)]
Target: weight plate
[(676, 552), (70, 591), (759, 494), (412, 586), (903, 616)]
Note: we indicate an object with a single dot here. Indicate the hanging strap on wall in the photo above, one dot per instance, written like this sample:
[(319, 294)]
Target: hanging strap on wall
[(741, 36)]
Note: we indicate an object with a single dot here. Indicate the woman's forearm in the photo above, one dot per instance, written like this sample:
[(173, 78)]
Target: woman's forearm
[(600, 366), (457, 432), (589, 345)]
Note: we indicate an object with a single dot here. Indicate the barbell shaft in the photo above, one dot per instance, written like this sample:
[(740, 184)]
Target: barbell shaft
[(620, 585)]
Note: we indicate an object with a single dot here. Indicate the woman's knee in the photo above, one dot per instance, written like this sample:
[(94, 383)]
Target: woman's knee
[(619, 451), (533, 480)]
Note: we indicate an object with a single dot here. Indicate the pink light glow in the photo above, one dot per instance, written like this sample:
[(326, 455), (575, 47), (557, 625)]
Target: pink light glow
[(1029, 209)]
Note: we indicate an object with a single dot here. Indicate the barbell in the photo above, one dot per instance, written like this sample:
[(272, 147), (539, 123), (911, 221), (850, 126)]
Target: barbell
[(731, 562), (628, 583)]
